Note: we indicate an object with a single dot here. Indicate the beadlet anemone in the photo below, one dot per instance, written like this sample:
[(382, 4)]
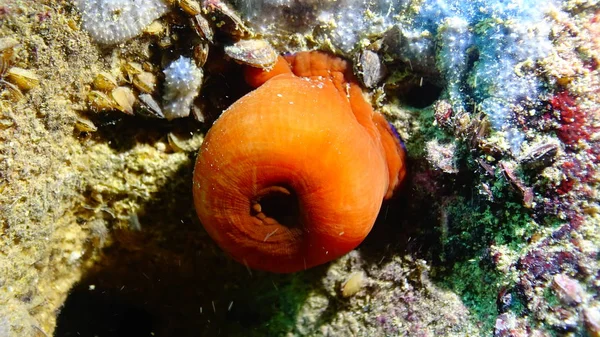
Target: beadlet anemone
[(293, 174)]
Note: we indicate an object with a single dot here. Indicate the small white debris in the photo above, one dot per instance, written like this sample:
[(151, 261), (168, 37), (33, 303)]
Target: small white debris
[(270, 234), (353, 284), (74, 256)]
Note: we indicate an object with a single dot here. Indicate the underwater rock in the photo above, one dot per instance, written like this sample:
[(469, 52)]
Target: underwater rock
[(370, 69), (441, 156), (568, 289)]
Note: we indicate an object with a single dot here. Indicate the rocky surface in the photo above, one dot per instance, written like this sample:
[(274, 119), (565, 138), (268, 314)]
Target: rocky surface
[(495, 233)]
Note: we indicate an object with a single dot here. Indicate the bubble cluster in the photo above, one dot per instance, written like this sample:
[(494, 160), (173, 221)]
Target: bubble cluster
[(183, 80), (114, 21), (480, 49)]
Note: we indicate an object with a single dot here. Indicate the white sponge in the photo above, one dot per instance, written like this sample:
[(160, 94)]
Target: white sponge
[(114, 21)]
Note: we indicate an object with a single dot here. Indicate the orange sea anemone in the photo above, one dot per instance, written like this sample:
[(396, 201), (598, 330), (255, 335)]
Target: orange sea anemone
[(293, 174)]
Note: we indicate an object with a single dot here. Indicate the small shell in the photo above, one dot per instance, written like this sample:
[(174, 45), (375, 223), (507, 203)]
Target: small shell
[(165, 42), (6, 120), (149, 106), (4, 64), (124, 98), (489, 169), (480, 127), (516, 182), (202, 27), (486, 191), (591, 318), (132, 69), (7, 43), (191, 7), (200, 54), (13, 89), (489, 148), (540, 156), (353, 284), (145, 82), (197, 113), (99, 101), (85, 125), (226, 20), (156, 28), (38, 332), (177, 143), (148, 66), (370, 68), (105, 82), (255, 53), (73, 24), (462, 121), (443, 113), (23, 78), (6, 52), (568, 289)]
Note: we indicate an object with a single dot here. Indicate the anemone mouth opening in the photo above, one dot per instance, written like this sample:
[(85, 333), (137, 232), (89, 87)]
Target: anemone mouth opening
[(277, 205)]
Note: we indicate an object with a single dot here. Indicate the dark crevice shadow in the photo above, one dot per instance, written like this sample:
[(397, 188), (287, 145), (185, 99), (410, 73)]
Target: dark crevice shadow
[(406, 224), (422, 95), (122, 132), (165, 276)]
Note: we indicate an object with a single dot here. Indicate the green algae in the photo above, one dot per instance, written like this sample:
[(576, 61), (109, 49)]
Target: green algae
[(277, 306), (426, 130), (473, 276), (478, 287)]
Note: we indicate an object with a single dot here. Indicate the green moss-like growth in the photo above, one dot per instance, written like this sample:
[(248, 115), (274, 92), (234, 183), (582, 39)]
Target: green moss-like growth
[(286, 303), (477, 285), (272, 308), (415, 146), (472, 227)]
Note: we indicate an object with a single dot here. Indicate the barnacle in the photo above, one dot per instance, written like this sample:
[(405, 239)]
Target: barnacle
[(14, 79)]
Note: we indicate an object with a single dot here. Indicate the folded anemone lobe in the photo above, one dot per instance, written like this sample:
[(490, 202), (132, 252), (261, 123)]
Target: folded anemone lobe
[(293, 174)]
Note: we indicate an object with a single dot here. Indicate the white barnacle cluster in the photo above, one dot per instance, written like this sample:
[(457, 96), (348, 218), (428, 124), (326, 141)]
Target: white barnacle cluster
[(182, 84), (114, 21)]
